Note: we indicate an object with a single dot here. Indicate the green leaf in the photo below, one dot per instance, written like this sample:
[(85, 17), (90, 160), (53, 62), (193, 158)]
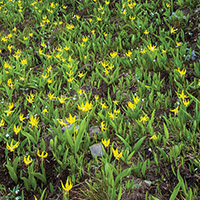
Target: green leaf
[(126, 172), (175, 192), (138, 144), (40, 176), (125, 142)]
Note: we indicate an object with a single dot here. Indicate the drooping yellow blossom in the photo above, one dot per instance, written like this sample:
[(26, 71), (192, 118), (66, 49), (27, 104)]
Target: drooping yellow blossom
[(152, 48), (178, 44), (21, 117), (136, 99), (10, 48), (173, 30), (168, 5), (29, 99), (16, 129), (96, 97), (80, 74), (61, 99), (154, 137), (182, 95), (69, 26), (27, 160), (2, 123), (105, 142), (146, 32), (10, 83), (34, 121), (131, 105), (175, 111), (103, 105), (117, 155), (44, 111), (93, 32), (144, 119), (51, 96), (61, 122), (129, 53), (68, 186), (131, 18), (183, 72), (86, 107), (111, 115), (24, 62), (113, 54), (186, 102), (71, 119), (44, 154), (12, 147), (103, 126)]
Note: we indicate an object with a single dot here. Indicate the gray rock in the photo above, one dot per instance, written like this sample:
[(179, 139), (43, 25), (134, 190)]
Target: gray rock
[(94, 130), (96, 150)]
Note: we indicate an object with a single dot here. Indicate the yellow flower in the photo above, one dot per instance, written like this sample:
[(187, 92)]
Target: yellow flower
[(103, 105), (68, 186), (70, 79), (151, 48), (45, 111), (27, 160), (173, 30), (131, 105), (69, 26), (10, 84), (80, 74), (144, 119), (183, 72), (103, 126), (105, 142), (143, 51), (186, 102), (131, 5), (16, 129), (61, 122), (10, 48), (8, 112), (111, 115), (12, 147), (129, 53), (51, 96), (61, 99), (146, 32), (85, 39), (93, 32), (107, 2), (44, 154), (116, 153), (21, 117), (154, 137), (86, 107), (113, 54), (2, 123), (182, 95), (30, 99), (71, 119), (199, 82), (131, 18), (34, 121), (7, 66), (10, 106), (164, 51), (105, 34), (178, 44), (96, 97), (14, 29), (66, 48), (168, 5), (136, 99), (175, 110)]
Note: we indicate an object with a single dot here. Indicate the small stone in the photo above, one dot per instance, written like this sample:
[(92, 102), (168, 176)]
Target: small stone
[(148, 183), (94, 130), (96, 150)]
